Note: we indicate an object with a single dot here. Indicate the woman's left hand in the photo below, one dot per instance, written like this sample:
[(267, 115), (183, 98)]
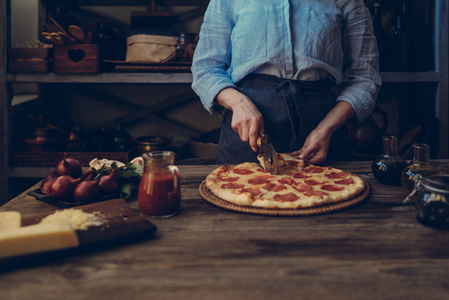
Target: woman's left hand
[(317, 142), (315, 147)]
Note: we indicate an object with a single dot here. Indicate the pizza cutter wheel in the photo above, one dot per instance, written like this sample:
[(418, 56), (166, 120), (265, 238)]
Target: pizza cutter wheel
[(269, 155)]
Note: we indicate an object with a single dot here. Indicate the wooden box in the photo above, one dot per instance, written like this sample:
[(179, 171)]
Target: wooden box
[(29, 60), (77, 58)]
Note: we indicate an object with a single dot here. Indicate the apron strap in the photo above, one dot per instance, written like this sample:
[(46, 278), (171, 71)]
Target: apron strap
[(291, 95)]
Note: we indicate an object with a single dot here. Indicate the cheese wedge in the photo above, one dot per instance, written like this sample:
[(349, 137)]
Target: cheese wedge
[(10, 220), (37, 238)]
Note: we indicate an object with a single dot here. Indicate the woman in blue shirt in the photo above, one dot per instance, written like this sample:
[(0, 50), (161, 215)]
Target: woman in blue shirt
[(268, 66)]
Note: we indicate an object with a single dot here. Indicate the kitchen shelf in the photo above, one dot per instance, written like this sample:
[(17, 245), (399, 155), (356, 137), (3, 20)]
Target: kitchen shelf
[(101, 78), (141, 2), (410, 77), (158, 78)]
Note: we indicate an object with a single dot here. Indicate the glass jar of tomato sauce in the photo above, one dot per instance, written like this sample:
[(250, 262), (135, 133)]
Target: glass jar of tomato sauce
[(159, 194)]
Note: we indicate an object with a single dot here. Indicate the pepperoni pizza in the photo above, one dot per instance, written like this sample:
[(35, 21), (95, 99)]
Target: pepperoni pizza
[(296, 185)]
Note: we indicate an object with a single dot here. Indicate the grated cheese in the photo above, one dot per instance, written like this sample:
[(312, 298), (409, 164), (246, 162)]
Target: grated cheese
[(77, 218)]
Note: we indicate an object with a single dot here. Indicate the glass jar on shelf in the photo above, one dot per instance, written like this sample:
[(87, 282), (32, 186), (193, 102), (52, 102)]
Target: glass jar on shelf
[(186, 47), (387, 168), (421, 165)]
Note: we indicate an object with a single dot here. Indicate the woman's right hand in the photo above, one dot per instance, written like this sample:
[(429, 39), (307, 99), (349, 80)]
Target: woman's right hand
[(247, 120)]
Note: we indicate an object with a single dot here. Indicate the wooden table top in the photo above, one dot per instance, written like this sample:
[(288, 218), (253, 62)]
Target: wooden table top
[(375, 250)]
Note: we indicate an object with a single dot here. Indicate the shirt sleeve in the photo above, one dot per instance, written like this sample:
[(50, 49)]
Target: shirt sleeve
[(213, 55), (361, 78)]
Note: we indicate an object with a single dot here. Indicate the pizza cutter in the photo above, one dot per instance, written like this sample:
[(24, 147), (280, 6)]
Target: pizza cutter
[(268, 154)]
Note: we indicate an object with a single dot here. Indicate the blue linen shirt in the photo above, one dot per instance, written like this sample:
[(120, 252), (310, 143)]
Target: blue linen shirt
[(296, 39)]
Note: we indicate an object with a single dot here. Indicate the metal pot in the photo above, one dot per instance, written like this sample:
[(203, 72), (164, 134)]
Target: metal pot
[(152, 143)]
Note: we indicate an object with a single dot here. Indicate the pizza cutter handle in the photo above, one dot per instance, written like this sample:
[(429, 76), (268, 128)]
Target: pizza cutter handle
[(261, 140)]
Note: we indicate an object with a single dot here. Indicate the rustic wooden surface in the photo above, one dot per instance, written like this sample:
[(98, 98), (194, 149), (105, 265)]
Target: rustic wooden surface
[(376, 250)]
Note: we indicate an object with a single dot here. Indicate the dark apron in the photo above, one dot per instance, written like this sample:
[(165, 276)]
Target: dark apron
[(291, 110)]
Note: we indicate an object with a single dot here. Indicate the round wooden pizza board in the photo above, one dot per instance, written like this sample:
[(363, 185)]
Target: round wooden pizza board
[(327, 208)]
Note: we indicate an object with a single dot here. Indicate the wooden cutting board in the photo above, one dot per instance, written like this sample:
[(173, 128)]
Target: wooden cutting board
[(122, 222)]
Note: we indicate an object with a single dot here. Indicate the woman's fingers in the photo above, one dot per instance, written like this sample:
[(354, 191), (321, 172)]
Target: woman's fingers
[(314, 151), (248, 124), (254, 132), (317, 157)]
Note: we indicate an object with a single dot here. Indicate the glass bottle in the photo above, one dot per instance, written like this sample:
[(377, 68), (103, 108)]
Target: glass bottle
[(380, 34), (186, 47), (122, 138), (387, 168), (420, 165), (159, 193), (107, 39), (401, 57)]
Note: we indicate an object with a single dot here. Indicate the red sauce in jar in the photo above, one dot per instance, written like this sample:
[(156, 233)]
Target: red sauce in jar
[(157, 195)]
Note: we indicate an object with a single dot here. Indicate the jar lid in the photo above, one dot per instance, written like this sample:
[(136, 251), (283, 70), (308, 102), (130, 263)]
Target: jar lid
[(438, 183), (191, 37), (154, 140)]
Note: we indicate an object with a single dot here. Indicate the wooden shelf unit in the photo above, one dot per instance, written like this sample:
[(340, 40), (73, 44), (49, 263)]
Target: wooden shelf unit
[(142, 78), (102, 78), (439, 76)]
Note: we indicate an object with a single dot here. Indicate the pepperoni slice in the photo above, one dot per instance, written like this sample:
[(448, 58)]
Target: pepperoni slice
[(228, 179), (303, 187), (315, 193), (259, 180), (313, 170), (274, 187), (260, 170), (288, 181), (279, 188), (312, 182), (269, 186), (345, 181), (232, 185), (242, 171), (335, 175), (251, 191), (301, 175), (332, 187), (286, 197)]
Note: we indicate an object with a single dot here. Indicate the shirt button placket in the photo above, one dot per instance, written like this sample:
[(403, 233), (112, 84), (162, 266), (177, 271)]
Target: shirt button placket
[(288, 53)]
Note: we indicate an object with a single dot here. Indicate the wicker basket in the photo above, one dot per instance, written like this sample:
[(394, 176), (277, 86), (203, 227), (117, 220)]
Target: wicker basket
[(50, 159)]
